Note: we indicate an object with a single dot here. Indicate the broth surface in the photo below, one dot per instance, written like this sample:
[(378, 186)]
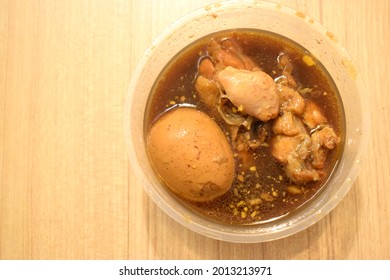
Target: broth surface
[(260, 192)]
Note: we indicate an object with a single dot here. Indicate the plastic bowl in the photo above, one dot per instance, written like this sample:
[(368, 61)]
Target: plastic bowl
[(255, 15)]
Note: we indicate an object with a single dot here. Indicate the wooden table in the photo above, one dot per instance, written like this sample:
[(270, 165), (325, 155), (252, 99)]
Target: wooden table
[(66, 187)]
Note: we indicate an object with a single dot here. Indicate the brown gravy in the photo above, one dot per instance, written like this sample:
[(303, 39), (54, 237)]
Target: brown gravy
[(263, 193)]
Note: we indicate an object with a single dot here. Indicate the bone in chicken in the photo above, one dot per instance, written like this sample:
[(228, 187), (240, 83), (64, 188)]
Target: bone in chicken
[(227, 68), (253, 91)]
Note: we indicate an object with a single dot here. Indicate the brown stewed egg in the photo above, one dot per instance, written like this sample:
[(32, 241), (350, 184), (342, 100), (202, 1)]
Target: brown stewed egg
[(191, 154)]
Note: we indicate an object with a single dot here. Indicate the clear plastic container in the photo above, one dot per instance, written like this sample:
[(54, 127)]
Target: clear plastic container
[(257, 15)]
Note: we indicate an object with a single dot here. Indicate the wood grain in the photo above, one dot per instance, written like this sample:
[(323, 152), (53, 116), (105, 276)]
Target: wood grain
[(66, 188)]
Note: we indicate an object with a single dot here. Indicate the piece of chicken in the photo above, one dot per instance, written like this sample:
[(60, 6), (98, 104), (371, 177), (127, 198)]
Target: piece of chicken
[(322, 141), (304, 156), (301, 172), (208, 91), (221, 53), (286, 124), (295, 153), (252, 91), (227, 52), (290, 100), (285, 63), (283, 146), (313, 115)]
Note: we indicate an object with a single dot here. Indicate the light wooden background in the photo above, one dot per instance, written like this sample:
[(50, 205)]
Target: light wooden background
[(66, 188)]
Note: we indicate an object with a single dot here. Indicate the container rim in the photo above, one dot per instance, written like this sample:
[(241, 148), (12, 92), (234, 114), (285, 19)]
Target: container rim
[(250, 235)]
